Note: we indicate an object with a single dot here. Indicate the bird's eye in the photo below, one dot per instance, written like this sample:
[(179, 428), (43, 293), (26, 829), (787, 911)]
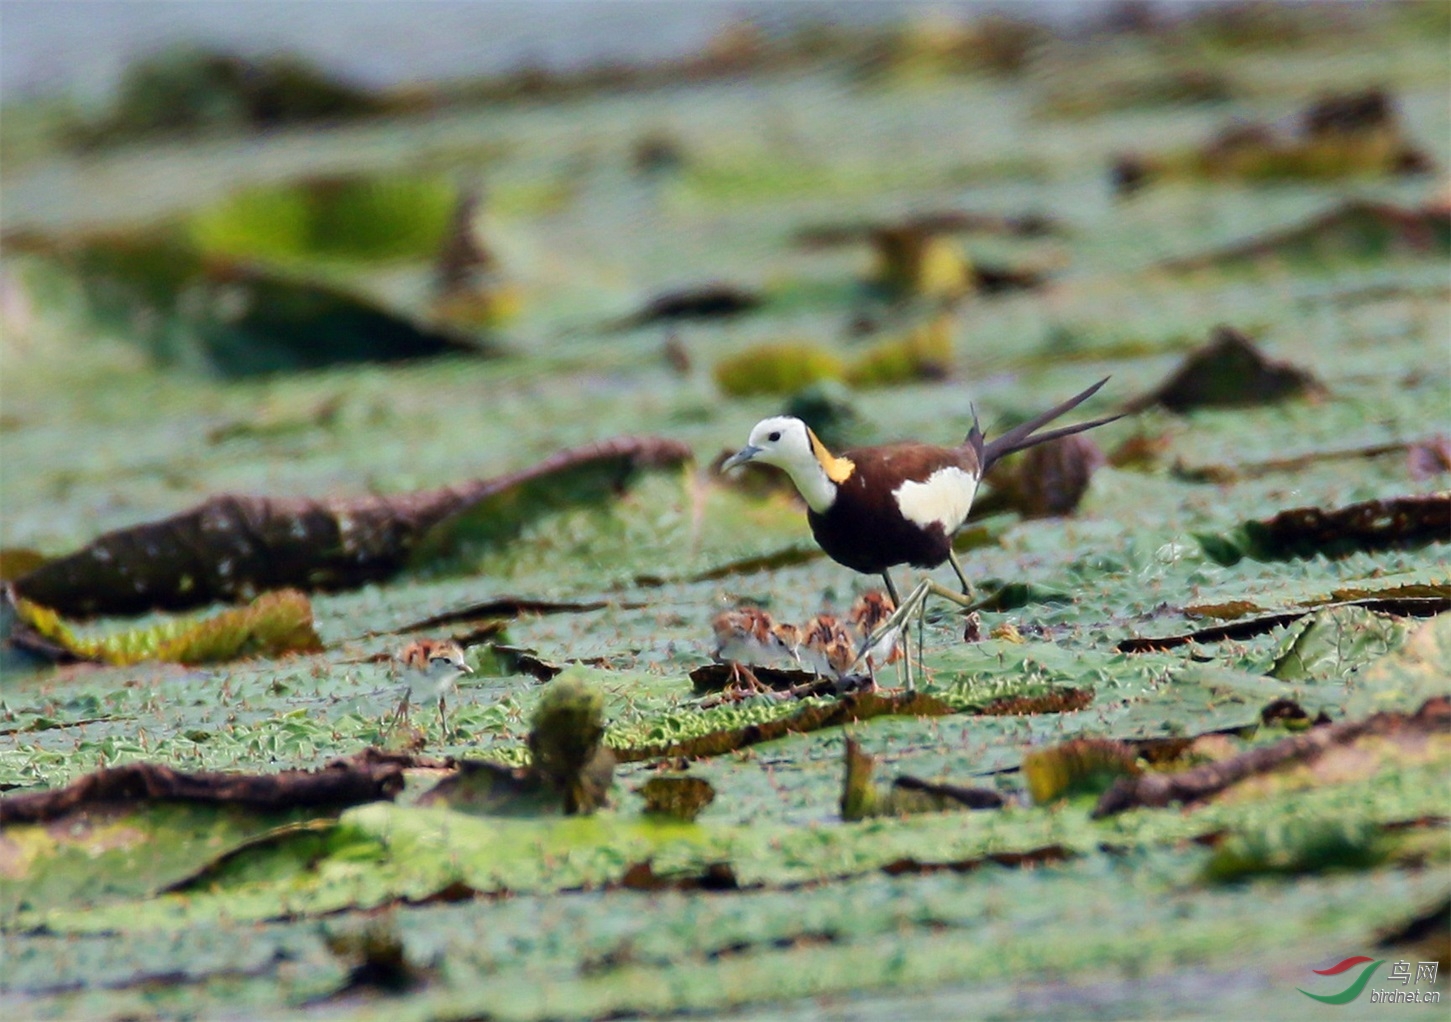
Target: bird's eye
[(775, 435)]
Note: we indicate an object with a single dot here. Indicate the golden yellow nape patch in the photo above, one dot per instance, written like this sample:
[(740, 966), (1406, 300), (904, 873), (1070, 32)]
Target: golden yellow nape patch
[(838, 470)]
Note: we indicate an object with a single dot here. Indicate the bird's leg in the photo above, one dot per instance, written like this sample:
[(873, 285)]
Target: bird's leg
[(872, 675), (743, 682), (922, 637), (961, 576), (902, 613), (924, 587), (443, 717), (401, 713), (914, 604), (891, 589)]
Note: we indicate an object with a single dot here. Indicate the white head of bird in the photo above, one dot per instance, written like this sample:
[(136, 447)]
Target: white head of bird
[(788, 443)]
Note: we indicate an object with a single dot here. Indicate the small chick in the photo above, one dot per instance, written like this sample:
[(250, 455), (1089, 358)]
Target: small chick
[(747, 638), (430, 667), (868, 613), (790, 637), (750, 636), (827, 648)]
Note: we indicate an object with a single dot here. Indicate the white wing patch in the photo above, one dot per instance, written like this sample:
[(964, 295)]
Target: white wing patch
[(943, 499)]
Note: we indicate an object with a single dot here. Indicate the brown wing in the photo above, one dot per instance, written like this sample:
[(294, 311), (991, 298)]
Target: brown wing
[(864, 528)]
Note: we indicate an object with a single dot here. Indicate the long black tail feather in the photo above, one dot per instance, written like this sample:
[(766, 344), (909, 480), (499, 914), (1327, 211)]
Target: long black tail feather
[(1023, 436)]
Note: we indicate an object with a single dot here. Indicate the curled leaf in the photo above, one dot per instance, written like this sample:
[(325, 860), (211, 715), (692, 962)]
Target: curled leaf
[(1296, 846), (352, 780), (853, 706), (185, 90), (274, 624), (1229, 371), (566, 743), (861, 799), (1049, 480), (924, 353), (781, 368), (1391, 603), (232, 546), (216, 313), (491, 789), (1356, 228), (678, 797), (1333, 641), (1084, 765), (1398, 522), (1203, 782), (1338, 135)]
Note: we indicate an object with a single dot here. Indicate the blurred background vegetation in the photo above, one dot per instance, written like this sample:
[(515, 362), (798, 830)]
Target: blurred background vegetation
[(347, 251)]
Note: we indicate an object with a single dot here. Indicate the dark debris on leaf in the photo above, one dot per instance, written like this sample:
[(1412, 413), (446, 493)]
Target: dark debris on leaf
[(377, 959), (1229, 371), (861, 798), (1049, 480), (717, 876), (1396, 606), (1302, 532), (1421, 460), (478, 786), (908, 790), (1429, 457), (343, 782), (1046, 855), (237, 319), (232, 545), (1203, 782), (1355, 229), (704, 302), (1338, 135), (1286, 713), (946, 221)]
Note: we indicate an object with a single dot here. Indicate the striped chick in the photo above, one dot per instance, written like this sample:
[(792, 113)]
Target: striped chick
[(827, 647), (430, 667), (868, 613), (747, 638)]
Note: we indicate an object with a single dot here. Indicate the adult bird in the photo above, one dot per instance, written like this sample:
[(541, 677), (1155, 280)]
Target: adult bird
[(873, 508)]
